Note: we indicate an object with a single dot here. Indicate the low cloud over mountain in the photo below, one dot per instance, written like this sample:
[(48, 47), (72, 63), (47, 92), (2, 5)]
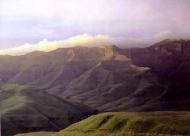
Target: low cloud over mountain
[(79, 40), (45, 45)]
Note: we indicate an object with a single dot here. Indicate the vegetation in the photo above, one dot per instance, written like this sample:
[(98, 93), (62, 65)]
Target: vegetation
[(25, 109), (155, 78), (39, 134), (100, 77), (129, 124)]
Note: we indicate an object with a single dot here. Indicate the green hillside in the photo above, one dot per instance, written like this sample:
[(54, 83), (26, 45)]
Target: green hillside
[(115, 84), (129, 124), (99, 77), (26, 109)]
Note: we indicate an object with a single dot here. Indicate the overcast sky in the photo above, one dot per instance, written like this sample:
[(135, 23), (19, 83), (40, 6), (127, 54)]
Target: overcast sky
[(30, 21)]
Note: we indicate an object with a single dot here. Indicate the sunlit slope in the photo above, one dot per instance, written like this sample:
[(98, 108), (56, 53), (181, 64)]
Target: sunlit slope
[(115, 84), (100, 77), (49, 70), (105, 78), (25, 109), (129, 124)]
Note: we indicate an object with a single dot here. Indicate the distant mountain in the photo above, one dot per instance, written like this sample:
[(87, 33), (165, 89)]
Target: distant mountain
[(170, 61), (52, 69), (109, 78), (25, 109), (43, 91), (127, 124), (99, 77), (115, 84)]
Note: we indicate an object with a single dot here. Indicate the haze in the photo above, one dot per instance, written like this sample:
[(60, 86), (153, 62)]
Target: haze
[(31, 21)]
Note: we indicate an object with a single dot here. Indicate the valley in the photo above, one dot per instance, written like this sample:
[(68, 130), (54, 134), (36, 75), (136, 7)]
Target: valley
[(49, 91)]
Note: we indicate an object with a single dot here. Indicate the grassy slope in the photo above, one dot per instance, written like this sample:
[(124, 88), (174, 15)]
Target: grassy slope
[(39, 134), (92, 76), (115, 84), (10, 97), (129, 124), (25, 109)]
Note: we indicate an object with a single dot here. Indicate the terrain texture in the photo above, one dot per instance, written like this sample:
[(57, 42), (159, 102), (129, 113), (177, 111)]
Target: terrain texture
[(43, 91), (25, 109), (128, 124)]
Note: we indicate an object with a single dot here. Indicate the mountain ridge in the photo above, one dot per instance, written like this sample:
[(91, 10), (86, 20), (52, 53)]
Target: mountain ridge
[(97, 73), (107, 78)]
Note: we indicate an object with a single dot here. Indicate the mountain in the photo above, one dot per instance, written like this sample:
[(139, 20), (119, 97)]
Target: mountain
[(99, 77), (48, 90), (115, 84), (49, 70), (170, 61), (26, 109), (127, 124), (109, 78)]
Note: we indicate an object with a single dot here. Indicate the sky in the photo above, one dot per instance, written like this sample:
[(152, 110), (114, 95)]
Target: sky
[(24, 22)]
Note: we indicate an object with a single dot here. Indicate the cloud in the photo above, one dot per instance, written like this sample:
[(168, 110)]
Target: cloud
[(164, 35), (134, 18), (45, 45), (89, 41)]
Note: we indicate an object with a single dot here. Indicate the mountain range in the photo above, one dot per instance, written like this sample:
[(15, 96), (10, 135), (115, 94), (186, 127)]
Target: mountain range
[(105, 78), (108, 78), (99, 77), (169, 60)]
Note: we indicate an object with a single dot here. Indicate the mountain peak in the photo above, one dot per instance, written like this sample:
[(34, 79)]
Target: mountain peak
[(166, 41)]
